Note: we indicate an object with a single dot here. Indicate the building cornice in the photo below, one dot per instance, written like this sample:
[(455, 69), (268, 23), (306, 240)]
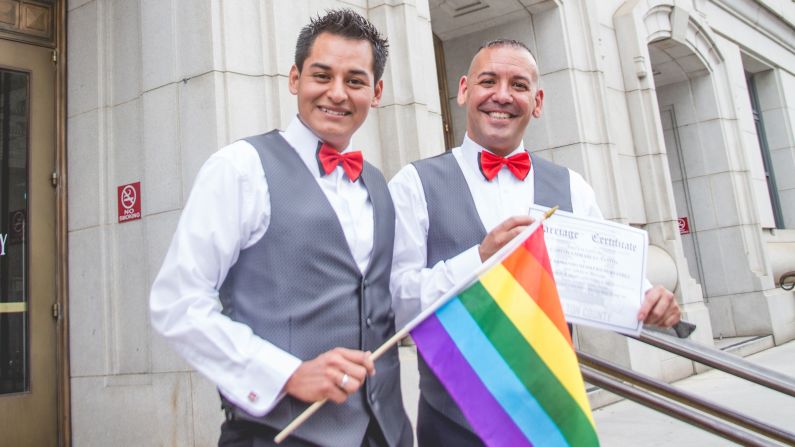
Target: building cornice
[(766, 4), (762, 18)]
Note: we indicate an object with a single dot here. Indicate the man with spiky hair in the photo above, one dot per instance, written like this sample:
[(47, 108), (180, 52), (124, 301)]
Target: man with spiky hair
[(276, 283), (457, 209)]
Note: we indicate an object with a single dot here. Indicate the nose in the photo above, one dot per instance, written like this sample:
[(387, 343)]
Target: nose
[(336, 90), (502, 95)]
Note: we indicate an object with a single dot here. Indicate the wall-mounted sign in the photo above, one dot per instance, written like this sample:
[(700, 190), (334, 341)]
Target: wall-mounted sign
[(129, 202), (684, 225)]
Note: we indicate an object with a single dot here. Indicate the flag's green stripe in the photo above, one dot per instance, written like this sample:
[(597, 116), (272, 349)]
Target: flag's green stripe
[(529, 367)]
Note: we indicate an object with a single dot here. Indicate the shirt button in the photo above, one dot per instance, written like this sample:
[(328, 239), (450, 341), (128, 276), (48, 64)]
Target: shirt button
[(252, 397), (369, 322)]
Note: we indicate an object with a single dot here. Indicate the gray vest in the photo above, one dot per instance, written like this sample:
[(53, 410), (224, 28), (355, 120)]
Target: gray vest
[(454, 226), (299, 288)]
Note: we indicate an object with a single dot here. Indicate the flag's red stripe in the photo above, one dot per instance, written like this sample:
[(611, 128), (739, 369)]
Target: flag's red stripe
[(536, 246), (526, 267)]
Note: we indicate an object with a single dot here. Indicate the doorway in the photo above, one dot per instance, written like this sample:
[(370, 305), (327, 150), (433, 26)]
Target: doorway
[(28, 301)]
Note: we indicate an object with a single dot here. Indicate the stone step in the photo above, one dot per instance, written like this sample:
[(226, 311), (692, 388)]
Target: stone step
[(745, 346)]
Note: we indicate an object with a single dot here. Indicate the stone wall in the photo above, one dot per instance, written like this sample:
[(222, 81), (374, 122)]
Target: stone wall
[(156, 86)]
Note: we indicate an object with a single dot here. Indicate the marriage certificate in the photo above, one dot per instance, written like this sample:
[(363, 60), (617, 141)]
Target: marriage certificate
[(599, 268)]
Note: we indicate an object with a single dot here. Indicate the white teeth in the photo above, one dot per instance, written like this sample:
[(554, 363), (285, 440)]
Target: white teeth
[(332, 112), (499, 115)]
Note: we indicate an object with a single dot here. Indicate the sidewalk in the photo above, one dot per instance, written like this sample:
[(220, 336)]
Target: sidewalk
[(629, 424)]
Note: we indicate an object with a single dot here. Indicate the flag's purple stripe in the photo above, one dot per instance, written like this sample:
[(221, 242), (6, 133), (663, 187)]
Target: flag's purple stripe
[(498, 377), (483, 412)]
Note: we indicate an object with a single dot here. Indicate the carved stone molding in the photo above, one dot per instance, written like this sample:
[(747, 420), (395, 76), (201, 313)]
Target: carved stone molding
[(457, 8), (676, 23), (639, 24), (454, 18), (28, 21)]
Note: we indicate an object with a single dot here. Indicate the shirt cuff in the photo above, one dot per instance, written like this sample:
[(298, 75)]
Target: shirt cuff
[(461, 266), (646, 286), (261, 385)]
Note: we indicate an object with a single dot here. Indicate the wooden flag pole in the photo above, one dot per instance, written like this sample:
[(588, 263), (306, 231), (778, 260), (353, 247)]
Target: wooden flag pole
[(491, 262)]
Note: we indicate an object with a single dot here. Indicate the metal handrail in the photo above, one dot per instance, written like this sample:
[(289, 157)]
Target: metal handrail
[(723, 361), (678, 403), (787, 280), (674, 409), (684, 397)]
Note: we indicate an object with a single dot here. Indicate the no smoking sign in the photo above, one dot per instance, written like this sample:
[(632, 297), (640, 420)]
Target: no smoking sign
[(129, 202), (684, 225)]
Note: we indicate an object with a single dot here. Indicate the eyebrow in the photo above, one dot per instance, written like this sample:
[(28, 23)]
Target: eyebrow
[(491, 73), (354, 71), (320, 66)]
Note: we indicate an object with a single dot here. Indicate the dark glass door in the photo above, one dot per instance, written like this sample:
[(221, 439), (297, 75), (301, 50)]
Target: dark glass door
[(28, 373)]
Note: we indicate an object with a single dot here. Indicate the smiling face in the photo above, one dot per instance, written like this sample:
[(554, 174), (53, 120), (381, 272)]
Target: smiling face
[(336, 87), (500, 95)]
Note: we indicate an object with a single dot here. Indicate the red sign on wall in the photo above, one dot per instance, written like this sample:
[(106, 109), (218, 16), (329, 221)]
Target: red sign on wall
[(129, 202), (684, 226)]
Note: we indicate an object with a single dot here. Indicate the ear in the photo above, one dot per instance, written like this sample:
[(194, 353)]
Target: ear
[(539, 103), (462, 91), (379, 90), (293, 79)]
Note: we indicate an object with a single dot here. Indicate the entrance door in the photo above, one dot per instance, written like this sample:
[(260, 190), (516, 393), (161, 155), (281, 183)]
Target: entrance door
[(28, 372)]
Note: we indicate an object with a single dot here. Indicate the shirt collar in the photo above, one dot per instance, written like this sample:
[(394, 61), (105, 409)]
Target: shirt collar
[(470, 151), (304, 141)]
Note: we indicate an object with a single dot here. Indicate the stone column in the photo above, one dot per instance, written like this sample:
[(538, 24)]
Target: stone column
[(409, 120)]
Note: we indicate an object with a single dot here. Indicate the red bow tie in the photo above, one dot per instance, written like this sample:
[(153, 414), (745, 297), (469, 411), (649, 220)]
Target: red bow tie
[(491, 164), (330, 158)]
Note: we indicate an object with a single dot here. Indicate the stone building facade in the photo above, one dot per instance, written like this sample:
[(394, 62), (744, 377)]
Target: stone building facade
[(671, 109)]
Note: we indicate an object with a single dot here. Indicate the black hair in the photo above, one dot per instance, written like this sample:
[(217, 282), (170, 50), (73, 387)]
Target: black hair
[(345, 23), (505, 43), (499, 43)]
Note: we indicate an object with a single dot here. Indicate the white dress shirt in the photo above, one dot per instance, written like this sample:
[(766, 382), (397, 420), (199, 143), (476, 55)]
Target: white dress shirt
[(228, 211), (503, 197)]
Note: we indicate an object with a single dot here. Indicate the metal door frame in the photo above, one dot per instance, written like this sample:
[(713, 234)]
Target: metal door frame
[(57, 42)]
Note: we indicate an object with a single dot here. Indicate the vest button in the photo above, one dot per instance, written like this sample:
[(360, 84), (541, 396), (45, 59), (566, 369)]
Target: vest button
[(368, 322)]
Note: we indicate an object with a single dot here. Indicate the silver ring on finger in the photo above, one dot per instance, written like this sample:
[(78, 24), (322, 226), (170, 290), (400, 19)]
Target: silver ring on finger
[(345, 380)]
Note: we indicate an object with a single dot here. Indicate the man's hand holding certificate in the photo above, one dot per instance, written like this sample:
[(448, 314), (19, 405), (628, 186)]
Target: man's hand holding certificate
[(599, 269)]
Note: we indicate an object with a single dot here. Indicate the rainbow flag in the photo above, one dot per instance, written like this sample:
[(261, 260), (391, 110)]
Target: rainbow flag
[(502, 349)]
